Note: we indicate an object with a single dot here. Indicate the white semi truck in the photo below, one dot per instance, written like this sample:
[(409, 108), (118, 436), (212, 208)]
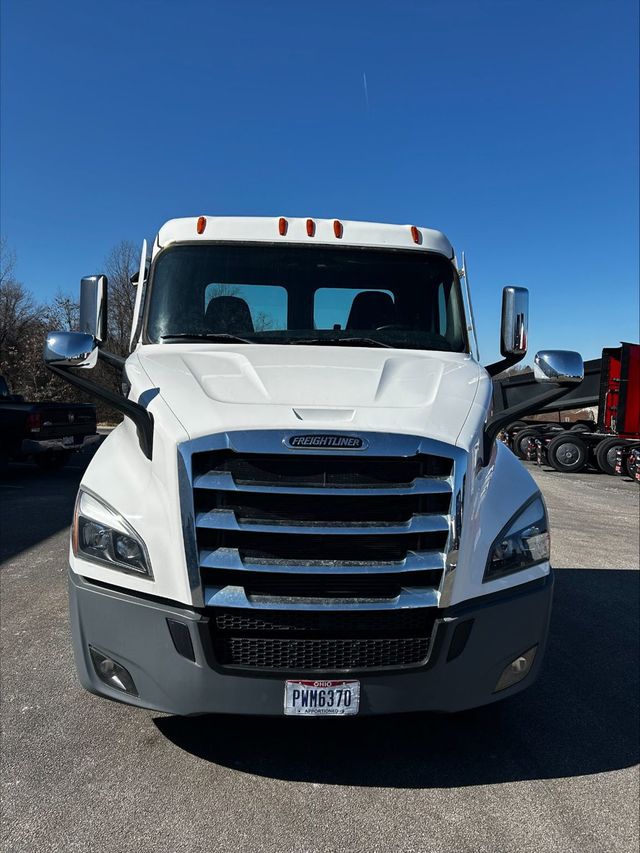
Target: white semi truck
[(305, 510)]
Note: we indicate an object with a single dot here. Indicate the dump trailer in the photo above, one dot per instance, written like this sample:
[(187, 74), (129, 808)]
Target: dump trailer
[(305, 510), (572, 447)]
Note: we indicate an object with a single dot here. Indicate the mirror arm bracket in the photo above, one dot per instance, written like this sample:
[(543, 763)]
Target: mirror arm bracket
[(142, 419), (529, 407), (111, 358), (504, 363)]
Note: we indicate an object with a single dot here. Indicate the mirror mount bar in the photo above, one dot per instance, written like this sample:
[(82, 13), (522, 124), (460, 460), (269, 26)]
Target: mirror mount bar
[(498, 366), (529, 407), (111, 358), (142, 419)]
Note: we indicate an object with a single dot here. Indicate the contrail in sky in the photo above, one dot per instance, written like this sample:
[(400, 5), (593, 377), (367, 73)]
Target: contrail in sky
[(366, 90)]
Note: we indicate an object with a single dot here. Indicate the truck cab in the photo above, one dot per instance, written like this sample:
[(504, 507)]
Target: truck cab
[(305, 510)]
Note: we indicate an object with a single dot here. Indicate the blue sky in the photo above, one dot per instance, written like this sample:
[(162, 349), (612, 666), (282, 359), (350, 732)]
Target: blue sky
[(512, 126)]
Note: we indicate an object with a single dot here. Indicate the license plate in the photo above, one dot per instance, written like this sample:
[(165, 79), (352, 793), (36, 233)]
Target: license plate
[(322, 698), (67, 441)]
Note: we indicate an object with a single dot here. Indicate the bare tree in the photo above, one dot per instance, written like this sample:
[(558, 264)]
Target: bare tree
[(18, 309), (121, 263), (63, 313)]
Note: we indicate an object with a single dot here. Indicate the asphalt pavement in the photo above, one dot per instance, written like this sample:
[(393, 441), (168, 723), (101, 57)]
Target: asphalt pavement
[(552, 769)]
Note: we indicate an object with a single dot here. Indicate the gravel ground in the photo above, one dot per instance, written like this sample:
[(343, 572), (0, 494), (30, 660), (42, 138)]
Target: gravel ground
[(552, 769)]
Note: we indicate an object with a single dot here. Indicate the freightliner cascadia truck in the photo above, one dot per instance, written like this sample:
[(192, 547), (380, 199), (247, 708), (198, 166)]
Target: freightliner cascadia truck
[(305, 510)]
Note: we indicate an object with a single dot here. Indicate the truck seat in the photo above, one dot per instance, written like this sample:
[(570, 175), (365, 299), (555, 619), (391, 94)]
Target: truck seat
[(228, 314), (372, 309)]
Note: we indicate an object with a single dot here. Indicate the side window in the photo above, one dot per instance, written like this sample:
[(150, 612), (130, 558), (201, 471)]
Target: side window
[(267, 304), (333, 305)]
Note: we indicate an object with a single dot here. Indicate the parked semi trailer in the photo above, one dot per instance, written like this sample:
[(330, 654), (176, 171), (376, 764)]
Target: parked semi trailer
[(571, 447), (305, 510)]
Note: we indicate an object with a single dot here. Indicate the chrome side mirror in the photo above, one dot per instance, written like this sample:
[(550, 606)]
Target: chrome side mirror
[(562, 367), (93, 306), (71, 349), (515, 321)]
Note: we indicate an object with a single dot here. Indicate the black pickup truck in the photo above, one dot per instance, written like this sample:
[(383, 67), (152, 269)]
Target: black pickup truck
[(46, 432)]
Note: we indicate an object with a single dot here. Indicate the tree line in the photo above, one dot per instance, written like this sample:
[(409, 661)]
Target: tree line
[(25, 321)]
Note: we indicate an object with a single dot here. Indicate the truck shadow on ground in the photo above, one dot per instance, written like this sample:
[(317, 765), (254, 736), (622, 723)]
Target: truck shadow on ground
[(36, 504), (581, 717)]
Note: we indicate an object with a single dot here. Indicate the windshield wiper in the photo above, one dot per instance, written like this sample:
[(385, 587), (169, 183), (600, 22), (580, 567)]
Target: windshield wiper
[(336, 342), (212, 338)]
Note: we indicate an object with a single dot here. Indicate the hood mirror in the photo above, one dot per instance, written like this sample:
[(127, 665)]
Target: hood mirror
[(562, 367), (71, 349), (93, 306), (515, 321)]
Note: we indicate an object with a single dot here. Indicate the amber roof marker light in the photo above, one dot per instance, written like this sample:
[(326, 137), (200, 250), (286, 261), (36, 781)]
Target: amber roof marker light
[(337, 228), (201, 224), (282, 226), (311, 227), (416, 235)]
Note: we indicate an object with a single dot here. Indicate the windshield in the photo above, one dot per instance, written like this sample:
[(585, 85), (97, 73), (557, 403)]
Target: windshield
[(305, 294)]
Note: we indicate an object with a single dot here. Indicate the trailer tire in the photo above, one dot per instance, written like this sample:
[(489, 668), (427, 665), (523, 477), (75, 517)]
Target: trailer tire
[(583, 426), (606, 454), (567, 453), (519, 442)]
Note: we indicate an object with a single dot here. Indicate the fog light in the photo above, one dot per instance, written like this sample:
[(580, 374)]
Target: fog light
[(516, 670), (112, 673)]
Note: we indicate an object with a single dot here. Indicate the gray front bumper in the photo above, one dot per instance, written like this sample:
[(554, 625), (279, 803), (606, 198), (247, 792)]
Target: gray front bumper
[(133, 630)]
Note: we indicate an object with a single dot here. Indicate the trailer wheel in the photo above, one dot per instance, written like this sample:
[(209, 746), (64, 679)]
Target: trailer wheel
[(606, 454), (521, 440), (567, 452), (583, 426)]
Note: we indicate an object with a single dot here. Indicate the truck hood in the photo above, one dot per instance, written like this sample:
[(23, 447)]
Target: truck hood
[(214, 388)]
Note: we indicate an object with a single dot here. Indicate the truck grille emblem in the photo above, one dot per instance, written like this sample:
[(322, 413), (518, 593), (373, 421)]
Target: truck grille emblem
[(317, 441)]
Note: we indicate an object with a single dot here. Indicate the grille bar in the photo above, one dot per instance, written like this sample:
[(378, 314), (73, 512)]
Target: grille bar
[(326, 586), (224, 482), (229, 558), (235, 596), (321, 470), (226, 520)]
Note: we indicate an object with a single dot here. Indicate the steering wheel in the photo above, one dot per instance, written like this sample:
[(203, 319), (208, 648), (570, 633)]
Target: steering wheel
[(396, 326)]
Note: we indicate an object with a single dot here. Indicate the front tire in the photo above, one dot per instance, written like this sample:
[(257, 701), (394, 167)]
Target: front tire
[(567, 453)]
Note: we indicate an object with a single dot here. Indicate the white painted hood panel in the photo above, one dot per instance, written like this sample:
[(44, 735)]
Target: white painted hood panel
[(213, 388)]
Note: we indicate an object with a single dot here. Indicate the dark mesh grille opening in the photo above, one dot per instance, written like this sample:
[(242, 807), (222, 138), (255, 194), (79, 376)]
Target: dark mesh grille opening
[(328, 655), (339, 585), (416, 622), (318, 550), (316, 470), (321, 510)]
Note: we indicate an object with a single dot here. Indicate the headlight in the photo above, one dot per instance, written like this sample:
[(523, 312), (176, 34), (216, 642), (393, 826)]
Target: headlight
[(101, 535), (524, 542)]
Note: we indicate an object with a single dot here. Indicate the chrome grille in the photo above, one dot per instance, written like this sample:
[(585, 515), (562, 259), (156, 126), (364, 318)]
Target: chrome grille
[(294, 526)]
